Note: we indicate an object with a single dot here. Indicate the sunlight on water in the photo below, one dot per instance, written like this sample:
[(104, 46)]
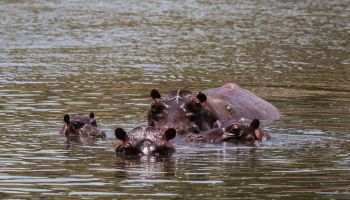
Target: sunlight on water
[(105, 57)]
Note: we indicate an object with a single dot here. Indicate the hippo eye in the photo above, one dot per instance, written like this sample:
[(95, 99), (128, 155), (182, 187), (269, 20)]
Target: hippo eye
[(235, 128), (155, 109), (194, 107), (128, 148), (78, 125), (192, 118)]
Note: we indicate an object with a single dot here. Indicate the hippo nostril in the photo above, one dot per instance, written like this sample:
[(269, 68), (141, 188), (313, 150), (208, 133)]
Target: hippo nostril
[(103, 134)]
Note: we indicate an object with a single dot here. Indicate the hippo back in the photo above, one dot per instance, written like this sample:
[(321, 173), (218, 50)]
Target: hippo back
[(233, 102)]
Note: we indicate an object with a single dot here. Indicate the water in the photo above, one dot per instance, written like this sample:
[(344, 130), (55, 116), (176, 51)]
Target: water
[(59, 57)]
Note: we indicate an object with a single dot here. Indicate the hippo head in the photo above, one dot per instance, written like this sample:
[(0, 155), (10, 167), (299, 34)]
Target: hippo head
[(240, 131), (81, 126), (234, 131), (144, 141), (180, 109)]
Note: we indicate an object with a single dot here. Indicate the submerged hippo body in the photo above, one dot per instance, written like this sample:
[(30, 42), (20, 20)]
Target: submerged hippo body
[(144, 141), (233, 131), (233, 102), (79, 126), (187, 111)]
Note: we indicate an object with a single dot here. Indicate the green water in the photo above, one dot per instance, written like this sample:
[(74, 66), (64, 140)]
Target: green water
[(59, 57)]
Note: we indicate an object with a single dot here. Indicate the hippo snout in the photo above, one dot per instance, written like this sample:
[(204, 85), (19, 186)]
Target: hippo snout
[(147, 147), (144, 141), (96, 132)]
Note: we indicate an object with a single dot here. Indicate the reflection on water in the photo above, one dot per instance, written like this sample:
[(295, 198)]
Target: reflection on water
[(61, 57)]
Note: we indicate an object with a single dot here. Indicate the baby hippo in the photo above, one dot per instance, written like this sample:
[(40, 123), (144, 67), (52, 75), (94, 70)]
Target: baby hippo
[(234, 131), (243, 122), (144, 141), (79, 126)]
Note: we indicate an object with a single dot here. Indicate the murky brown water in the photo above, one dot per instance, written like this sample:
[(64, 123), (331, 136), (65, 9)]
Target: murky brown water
[(60, 57)]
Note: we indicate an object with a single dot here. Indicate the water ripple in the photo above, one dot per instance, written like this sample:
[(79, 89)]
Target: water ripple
[(59, 57)]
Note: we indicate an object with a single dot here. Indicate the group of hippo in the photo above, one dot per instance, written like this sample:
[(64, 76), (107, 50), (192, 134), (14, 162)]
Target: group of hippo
[(225, 114)]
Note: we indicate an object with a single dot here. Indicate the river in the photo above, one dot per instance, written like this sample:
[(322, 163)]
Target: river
[(76, 57)]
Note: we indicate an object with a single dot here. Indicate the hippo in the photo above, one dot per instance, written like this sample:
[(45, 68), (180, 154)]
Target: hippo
[(233, 131), (79, 126), (144, 141), (243, 122), (195, 113), (180, 109)]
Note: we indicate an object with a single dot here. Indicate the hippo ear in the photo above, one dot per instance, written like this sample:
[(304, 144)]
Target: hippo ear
[(66, 118), (170, 133), (255, 124), (201, 97), (92, 115), (120, 134), (155, 94)]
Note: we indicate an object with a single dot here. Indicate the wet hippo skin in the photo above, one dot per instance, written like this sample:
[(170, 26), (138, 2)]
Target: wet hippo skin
[(234, 131), (144, 141), (79, 126), (186, 111)]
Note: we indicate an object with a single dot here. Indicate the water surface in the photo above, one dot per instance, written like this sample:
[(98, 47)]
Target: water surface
[(59, 57)]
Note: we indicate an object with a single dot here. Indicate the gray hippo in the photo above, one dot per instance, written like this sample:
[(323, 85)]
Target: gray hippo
[(144, 141), (233, 131), (187, 111), (79, 126)]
